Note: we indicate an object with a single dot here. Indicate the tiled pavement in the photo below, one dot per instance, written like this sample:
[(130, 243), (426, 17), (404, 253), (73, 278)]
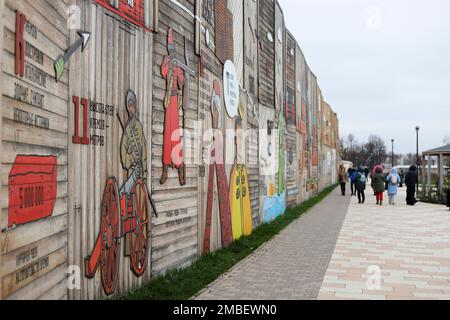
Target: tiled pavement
[(291, 266), (409, 246)]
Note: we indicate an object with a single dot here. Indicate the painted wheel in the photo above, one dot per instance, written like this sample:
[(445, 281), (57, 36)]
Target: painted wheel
[(110, 235), (139, 238)]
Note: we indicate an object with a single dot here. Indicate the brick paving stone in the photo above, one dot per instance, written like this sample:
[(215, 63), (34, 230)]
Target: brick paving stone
[(320, 256), (292, 266), (410, 245)]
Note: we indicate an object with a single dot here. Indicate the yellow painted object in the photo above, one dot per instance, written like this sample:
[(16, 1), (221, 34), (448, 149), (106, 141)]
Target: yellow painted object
[(241, 211), (271, 190)]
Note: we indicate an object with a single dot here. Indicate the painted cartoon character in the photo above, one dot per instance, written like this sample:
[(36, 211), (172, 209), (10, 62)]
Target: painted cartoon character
[(172, 150), (217, 163), (241, 211), (125, 213)]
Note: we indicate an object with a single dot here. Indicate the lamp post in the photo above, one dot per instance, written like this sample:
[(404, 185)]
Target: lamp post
[(393, 162), (417, 156)]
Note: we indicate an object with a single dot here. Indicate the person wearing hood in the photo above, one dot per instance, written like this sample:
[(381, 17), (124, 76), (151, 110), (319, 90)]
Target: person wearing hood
[(378, 184), (411, 181), (361, 186), (372, 176), (393, 180), (343, 178), (352, 175)]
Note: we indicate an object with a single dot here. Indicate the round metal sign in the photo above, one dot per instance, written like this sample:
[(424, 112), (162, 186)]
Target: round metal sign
[(231, 89)]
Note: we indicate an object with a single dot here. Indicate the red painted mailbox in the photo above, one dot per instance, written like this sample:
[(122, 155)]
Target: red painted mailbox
[(32, 189)]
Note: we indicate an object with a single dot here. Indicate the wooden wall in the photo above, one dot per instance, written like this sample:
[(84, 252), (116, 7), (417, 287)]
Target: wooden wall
[(292, 143), (2, 4), (251, 80), (117, 59), (212, 71), (48, 230), (175, 237), (266, 52), (34, 172)]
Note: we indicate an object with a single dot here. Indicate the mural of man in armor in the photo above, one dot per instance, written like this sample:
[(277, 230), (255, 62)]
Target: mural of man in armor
[(133, 146)]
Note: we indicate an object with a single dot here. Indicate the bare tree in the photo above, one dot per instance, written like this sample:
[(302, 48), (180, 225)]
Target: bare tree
[(410, 159), (447, 140)]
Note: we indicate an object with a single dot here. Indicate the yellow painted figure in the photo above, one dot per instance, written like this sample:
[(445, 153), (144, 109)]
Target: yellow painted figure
[(241, 211)]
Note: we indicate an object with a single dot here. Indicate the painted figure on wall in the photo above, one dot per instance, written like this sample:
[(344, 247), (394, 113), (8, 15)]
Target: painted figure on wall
[(172, 149), (217, 165), (241, 211), (125, 212), (273, 202), (133, 146)]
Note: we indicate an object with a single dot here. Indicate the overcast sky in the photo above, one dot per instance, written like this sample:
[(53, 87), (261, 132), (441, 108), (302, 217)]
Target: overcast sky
[(383, 65)]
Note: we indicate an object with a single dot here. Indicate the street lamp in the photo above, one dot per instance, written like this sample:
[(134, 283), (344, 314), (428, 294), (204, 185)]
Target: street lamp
[(417, 156), (393, 163)]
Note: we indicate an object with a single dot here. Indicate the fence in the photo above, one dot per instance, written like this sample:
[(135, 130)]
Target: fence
[(139, 135)]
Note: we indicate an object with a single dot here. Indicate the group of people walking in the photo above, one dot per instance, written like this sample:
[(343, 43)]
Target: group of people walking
[(381, 182)]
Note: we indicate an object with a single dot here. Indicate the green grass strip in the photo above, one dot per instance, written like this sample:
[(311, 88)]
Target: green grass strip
[(185, 283)]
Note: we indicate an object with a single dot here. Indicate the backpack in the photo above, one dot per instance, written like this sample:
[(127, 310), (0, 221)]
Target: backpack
[(394, 179), (363, 179)]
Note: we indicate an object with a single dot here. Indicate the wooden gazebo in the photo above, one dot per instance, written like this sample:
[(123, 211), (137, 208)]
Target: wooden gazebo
[(427, 156)]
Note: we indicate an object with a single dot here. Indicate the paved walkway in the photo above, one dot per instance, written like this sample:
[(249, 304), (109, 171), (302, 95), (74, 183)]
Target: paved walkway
[(389, 252), (291, 266), (408, 247)]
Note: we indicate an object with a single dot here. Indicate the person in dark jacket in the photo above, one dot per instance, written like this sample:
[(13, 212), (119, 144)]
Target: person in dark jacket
[(379, 185), (361, 186), (352, 175), (411, 181)]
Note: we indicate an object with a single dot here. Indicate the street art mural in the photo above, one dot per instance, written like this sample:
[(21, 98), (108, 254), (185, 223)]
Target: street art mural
[(32, 189), (241, 211), (173, 151), (125, 212), (217, 165), (81, 157), (275, 204)]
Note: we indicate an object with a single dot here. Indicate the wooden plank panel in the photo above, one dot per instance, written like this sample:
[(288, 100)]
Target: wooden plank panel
[(34, 122), (266, 52), (117, 59), (171, 196), (2, 6)]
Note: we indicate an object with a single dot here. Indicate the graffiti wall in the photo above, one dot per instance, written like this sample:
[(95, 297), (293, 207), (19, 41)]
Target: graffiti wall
[(137, 136), (110, 109)]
